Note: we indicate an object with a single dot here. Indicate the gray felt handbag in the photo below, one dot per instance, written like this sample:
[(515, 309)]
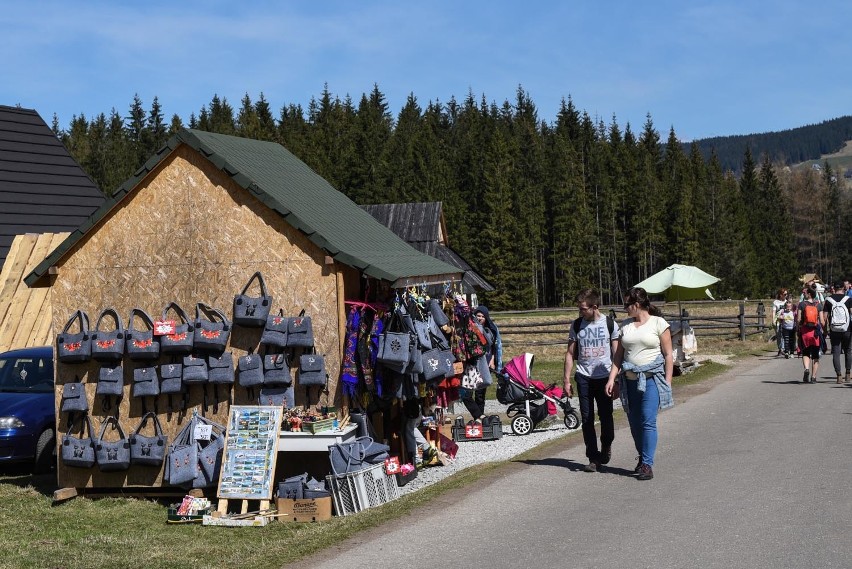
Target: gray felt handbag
[(75, 347), (300, 331), (108, 346), (195, 369), (276, 369), (79, 452), (112, 455), (221, 368), (275, 331), (141, 344), (145, 382), (252, 311), (211, 333), (182, 339), (148, 451), (249, 370), (74, 397)]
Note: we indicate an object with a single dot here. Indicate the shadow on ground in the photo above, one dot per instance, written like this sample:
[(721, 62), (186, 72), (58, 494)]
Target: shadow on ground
[(574, 466), (22, 476)]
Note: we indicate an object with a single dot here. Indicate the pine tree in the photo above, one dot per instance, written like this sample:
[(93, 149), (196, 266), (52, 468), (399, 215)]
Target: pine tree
[(267, 129), (156, 134)]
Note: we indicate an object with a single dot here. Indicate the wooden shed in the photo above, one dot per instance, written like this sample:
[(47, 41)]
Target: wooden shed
[(192, 226)]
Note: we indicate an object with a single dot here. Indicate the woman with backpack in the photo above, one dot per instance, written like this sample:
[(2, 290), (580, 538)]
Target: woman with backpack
[(836, 311), (810, 333)]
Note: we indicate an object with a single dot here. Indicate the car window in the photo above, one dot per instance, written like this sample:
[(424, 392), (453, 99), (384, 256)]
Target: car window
[(26, 374)]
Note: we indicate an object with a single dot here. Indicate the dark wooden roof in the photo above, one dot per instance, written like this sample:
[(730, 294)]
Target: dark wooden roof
[(42, 189), (421, 225)]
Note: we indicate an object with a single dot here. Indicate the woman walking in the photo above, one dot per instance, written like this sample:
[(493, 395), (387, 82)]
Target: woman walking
[(643, 365)]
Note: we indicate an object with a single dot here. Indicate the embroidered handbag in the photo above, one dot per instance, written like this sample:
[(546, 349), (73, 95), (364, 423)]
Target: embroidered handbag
[(252, 311), (281, 396), (210, 455), (434, 365), (276, 369), (275, 331), (211, 334), (449, 360), (249, 370), (110, 380), (312, 370), (182, 338), (194, 369), (112, 455), (423, 329), (171, 375), (293, 488), (300, 331), (182, 460), (79, 452), (145, 382), (148, 451), (73, 348), (221, 368), (394, 348), (108, 346), (74, 397), (140, 344)]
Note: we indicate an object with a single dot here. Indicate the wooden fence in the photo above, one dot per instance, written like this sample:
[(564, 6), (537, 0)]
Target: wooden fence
[(735, 326)]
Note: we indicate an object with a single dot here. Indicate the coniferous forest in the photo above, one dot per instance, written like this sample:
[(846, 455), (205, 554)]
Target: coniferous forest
[(541, 209)]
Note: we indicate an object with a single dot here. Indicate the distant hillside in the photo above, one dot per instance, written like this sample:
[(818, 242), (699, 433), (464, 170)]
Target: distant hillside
[(792, 146)]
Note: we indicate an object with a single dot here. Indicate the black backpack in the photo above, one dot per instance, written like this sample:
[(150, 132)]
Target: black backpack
[(610, 325)]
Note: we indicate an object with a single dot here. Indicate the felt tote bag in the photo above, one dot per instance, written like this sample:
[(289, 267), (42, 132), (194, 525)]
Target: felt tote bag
[(79, 452), (108, 346), (182, 338), (112, 455), (275, 331), (346, 458), (300, 331), (182, 460), (252, 311), (148, 451), (74, 347), (140, 344), (211, 333), (277, 397)]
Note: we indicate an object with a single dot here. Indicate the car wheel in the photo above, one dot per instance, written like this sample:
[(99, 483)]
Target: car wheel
[(45, 455)]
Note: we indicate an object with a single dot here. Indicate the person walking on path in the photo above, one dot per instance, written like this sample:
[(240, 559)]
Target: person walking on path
[(787, 327), (591, 343), (492, 360), (836, 311), (643, 365), (777, 306), (810, 314)]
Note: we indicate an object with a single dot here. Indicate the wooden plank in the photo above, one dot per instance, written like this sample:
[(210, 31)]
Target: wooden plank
[(64, 494), (34, 299), (14, 289)]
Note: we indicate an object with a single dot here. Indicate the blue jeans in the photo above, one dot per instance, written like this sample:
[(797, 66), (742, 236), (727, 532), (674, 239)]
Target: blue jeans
[(642, 417)]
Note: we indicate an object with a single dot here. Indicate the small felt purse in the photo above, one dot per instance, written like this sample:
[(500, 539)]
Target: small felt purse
[(171, 376), (110, 380), (79, 452), (74, 397), (148, 451), (434, 366), (221, 368), (210, 455), (108, 346), (249, 369), (275, 330), (252, 311), (145, 382), (112, 455), (312, 370), (182, 338), (182, 459), (213, 333), (276, 369), (300, 331), (75, 347), (195, 369), (140, 344), (277, 396)]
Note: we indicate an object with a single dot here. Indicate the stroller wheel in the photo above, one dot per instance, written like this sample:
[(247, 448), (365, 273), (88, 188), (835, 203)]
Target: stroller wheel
[(572, 421), (522, 425)]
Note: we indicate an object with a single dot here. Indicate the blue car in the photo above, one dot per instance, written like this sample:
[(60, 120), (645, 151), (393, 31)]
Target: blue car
[(27, 408)]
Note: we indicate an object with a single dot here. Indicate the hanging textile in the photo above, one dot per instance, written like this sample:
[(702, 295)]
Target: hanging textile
[(349, 373)]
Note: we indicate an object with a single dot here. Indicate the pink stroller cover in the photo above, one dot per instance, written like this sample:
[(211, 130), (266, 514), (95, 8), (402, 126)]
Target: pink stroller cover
[(519, 369)]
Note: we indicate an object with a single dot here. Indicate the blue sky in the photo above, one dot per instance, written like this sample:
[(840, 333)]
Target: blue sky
[(706, 68)]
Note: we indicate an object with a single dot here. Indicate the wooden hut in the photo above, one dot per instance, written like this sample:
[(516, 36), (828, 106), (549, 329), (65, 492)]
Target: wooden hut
[(193, 225)]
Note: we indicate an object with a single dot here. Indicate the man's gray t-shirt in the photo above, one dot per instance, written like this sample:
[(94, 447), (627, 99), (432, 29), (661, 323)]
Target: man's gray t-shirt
[(594, 346)]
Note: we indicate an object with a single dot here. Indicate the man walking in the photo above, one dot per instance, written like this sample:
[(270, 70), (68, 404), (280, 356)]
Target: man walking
[(591, 343), (836, 311)]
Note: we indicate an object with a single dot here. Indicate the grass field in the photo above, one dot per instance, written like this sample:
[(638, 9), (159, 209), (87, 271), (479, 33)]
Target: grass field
[(128, 532)]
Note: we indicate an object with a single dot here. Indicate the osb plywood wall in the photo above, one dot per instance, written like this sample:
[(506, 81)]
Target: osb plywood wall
[(188, 234), (25, 315)]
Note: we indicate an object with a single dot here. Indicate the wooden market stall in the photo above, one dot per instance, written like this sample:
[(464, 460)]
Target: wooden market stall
[(193, 225)]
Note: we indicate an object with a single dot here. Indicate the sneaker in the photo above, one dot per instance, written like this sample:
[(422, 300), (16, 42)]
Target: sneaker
[(606, 454), (839, 378), (806, 376), (786, 355), (645, 473), (591, 467)]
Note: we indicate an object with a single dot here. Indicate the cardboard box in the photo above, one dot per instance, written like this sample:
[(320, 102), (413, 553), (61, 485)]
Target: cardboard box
[(308, 510)]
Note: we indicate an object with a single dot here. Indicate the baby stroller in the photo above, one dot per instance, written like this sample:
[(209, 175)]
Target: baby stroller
[(530, 401)]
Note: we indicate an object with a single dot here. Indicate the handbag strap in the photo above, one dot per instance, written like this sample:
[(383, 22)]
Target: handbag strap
[(158, 428), (144, 316), (210, 312), (115, 425), (175, 307), (119, 327), (80, 316), (260, 281), (87, 424)]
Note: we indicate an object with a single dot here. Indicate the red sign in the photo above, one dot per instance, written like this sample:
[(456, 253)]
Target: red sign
[(392, 465), (164, 327), (473, 431)]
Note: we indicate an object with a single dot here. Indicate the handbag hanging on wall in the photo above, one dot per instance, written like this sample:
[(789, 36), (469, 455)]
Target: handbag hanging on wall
[(180, 340), (171, 376), (148, 451), (112, 455), (276, 369), (300, 331), (211, 333), (75, 347), (195, 369), (78, 452), (182, 459), (108, 346), (140, 344), (145, 382), (110, 383), (74, 397), (275, 330), (278, 396), (312, 370), (252, 311), (394, 344), (250, 373)]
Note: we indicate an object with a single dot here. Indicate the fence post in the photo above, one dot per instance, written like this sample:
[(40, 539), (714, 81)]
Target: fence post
[(742, 322), (761, 316)]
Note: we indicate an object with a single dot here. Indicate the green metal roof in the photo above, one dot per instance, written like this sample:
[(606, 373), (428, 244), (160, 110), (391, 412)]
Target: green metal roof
[(304, 198)]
